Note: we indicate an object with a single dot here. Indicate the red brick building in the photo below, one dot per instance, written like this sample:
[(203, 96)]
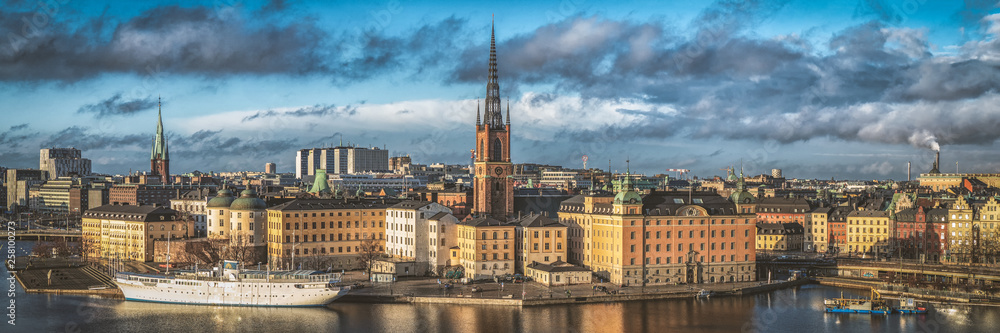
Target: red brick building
[(494, 181), (140, 194)]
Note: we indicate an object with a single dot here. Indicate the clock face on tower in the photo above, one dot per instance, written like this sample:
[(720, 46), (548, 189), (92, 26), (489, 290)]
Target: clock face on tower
[(498, 171)]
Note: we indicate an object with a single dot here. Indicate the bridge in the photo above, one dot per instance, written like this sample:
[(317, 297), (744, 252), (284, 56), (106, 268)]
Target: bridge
[(47, 235)]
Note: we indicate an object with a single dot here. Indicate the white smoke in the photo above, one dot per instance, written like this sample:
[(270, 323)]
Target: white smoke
[(924, 139)]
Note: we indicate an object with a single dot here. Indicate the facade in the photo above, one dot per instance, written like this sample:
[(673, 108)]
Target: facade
[(54, 195), (159, 157), (494, 181), (341, 160), (782, 210), (18, 182), (663, 237), (836, 221), (270, 168), (563, 179), (816, 231), (63, 162), (195, 203), (868, 231), (917, 236), (144, 194), (487, 247), (422, 232), (457, 199), (779, 236), (324, 233), (540, 240), (128, 232), (557, 274)]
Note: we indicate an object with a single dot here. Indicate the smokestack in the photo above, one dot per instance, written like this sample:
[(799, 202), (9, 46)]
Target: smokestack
[(907, 170), (937, 159)]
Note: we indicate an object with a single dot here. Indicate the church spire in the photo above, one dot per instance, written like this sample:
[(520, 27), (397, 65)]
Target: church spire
[(477, 113), (159, 141), (508, 111), (493, 112)]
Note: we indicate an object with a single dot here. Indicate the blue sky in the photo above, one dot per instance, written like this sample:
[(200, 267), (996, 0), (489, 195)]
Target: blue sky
[(844, 89)]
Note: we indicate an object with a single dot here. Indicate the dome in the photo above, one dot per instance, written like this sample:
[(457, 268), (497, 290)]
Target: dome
[(628, 197), (248, 201), (223, 199), (743, 197)]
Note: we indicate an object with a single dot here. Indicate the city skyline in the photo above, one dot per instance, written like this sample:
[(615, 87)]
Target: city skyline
[(855, 94)]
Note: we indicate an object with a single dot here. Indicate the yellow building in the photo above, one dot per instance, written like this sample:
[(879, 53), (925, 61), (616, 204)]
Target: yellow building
[(487, 247), (662, 237), (128, 232), (323, 233), (961, 238), (868, 231), (779, 236), (816, 230), (540, 240)]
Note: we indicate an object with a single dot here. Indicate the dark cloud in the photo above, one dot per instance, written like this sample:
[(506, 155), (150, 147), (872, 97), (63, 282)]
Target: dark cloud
[(118, 106), (172, 39), (80, 138), (318, 110), (15, 136)]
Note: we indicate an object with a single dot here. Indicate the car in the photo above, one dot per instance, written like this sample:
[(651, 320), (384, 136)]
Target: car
[(477, 289)]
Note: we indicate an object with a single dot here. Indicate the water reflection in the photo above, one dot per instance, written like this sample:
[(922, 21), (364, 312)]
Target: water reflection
[(791, 310)]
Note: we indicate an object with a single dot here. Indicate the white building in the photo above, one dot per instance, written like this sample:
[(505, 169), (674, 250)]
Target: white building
[(421, 231), (341, 160), (563, 179), (195, 203)]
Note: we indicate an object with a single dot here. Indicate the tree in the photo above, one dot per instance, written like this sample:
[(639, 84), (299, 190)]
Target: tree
[(369, 252)]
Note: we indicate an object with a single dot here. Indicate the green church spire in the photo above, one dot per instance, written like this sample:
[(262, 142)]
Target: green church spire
[(159, 141)]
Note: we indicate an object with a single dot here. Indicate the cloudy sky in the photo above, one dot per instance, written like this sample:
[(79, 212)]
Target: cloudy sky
[(851, 89)]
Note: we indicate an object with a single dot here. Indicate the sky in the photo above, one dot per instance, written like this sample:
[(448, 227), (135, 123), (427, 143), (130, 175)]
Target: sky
[(819, 89)]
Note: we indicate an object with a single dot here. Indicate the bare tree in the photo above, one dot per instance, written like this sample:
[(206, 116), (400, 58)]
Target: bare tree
[(369, 252)]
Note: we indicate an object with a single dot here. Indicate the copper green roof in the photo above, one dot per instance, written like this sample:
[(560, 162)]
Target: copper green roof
[(248, 201), (320, 182), (223, 199), (159, 141)]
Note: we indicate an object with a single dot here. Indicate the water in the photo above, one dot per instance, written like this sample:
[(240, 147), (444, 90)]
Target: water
[(790, 310)]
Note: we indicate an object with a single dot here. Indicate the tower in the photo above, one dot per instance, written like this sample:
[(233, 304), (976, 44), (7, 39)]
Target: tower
[(494, 182), (159, 159)]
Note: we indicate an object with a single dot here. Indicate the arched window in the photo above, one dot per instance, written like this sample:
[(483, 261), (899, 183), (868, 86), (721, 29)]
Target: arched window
[(484, 235), (494, 235), (497, 152)]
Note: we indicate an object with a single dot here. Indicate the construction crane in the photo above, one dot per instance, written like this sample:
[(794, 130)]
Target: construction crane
[(680, 172)]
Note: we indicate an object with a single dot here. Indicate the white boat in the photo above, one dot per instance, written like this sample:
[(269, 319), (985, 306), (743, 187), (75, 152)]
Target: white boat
[(233, 287), (703, 294)]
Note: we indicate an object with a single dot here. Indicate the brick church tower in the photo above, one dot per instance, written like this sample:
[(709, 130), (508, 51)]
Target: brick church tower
[(159, 159), (494, 182)]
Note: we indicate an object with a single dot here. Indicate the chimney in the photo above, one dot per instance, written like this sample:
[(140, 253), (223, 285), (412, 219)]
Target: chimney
[(937, 160)]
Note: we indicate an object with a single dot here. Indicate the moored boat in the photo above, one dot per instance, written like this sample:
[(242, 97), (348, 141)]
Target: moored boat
[(908, 306), (227, 285), (873, 305)]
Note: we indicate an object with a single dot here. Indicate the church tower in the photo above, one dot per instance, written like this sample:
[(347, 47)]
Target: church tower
[(159, 159), (494, 182)]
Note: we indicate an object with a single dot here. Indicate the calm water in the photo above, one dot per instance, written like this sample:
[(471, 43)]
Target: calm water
[(792, 310)]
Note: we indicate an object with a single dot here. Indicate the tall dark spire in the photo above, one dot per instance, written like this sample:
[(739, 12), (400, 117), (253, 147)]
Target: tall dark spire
[(508, 111), (477, 114), (493, 112)]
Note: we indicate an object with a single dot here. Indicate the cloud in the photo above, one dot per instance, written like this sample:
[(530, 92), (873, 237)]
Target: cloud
[(318, 110), (203, 41), (80, 138), (15, 136), (118, 106)]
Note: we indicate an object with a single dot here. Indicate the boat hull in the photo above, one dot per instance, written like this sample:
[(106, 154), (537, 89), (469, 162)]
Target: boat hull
[(235, 293)]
